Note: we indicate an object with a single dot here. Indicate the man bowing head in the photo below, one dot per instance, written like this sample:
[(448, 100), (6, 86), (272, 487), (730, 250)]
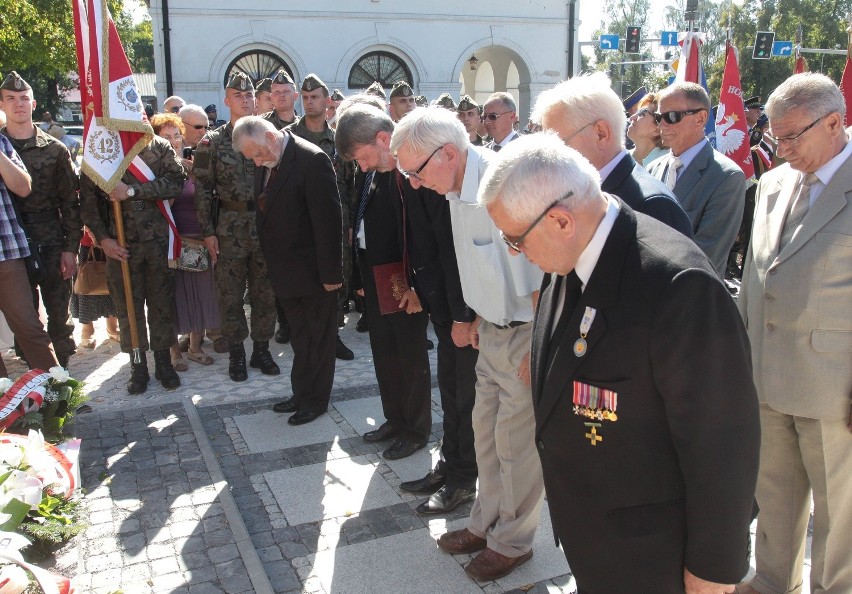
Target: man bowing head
[(646, 413)]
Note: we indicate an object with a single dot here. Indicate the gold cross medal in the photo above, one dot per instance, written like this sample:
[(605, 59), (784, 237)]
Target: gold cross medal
[(593, 436), (580, 345)]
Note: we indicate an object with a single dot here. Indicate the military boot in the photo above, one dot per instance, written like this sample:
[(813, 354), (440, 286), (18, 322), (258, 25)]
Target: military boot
[(237, 366), (261, 358), (138, 376), (164, 371)]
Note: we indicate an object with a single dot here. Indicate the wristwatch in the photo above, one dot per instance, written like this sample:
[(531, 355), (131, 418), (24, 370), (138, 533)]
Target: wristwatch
[(131, 191)]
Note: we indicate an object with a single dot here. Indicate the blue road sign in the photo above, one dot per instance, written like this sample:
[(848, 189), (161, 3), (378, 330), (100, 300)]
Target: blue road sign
[(782, 48), (668, 38), (608, 42)]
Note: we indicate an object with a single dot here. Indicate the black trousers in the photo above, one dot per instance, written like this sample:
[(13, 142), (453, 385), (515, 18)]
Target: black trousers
[(313, 334), (457, 383), (398, 342)]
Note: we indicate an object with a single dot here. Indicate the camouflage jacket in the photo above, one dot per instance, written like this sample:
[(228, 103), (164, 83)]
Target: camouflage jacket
[(279, 124), (55, 185), (221, 169), (344, 170), (142, 224)]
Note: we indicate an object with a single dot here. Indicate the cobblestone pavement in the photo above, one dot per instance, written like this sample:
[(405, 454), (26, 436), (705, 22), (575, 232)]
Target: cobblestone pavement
[(204, 489)]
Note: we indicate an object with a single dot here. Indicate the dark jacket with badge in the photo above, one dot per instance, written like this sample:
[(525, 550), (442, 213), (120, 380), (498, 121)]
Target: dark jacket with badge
[(143, 220), (219, 168), (669, 482), (51, 213)]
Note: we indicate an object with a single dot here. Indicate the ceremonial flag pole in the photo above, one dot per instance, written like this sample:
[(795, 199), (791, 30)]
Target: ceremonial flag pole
[(115, 127), (846, 79)]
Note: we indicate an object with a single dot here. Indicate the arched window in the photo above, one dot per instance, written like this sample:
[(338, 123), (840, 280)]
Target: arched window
[(257, 65), (378, 66)]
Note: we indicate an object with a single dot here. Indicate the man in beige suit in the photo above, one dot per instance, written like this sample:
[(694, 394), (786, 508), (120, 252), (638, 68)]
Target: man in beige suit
[(796, 300)]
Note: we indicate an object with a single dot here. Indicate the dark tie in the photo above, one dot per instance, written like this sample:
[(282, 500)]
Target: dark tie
[(496, 147), (573, 292), (365, 198)]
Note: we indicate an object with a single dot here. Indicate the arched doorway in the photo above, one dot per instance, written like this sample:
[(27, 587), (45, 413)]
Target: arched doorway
[(497, 68)]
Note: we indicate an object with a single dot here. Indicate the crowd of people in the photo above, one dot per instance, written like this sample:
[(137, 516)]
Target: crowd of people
[(588, 346)]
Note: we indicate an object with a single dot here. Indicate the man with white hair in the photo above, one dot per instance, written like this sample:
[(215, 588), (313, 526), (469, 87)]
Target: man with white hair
[(499, 115), (433, 150), (173, 104), (646, 415), (589, 117)]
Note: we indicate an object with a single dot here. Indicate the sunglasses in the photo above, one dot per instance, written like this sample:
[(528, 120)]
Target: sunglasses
[(199, 126), (641, 114), (493, 116), (674, 117)]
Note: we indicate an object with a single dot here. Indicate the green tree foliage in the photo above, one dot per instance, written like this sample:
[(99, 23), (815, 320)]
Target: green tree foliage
[(619, 16), (37, 40)]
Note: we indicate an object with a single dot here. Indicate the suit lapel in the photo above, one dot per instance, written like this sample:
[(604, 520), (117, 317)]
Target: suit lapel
[(617, 176), (692, 174), (542, 326), (601, 293), (285, 170), (777, 204)]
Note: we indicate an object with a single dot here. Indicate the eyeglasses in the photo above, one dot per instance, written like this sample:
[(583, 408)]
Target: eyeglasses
[(674, 117), (175, 109), (793, 140), (514, 243), (416, 173), (640, 114), (199, 126), (493, 116), (567, 140)]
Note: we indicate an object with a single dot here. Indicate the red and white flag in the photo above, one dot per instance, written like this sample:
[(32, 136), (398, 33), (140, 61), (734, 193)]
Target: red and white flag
[(846, 84), (732, 134), (115, 128), (689, 64)]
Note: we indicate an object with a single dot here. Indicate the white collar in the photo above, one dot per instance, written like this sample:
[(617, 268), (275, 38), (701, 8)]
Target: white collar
[(589, 258)]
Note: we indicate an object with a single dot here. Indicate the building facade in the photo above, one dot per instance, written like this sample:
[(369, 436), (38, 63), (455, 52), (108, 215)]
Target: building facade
[(437, 46)]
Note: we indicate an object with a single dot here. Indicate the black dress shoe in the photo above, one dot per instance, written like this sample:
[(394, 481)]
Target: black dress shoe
[(342, 352), (427, 485), (383, 433), (446, 500), (286, 406), (302, 417), (361, 325), (402, 448)]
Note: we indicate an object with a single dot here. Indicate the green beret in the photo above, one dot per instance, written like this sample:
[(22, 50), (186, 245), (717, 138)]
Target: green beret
[(376, 90), (401, 89), (467, 103), (282, 78), (446, 102), (312, 82), (421, 101), (14, 82), (264, 85), (337, 95), (240, 81)]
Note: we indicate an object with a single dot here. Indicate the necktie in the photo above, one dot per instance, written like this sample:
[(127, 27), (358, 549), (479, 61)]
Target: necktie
[(798, 209), (365, 198), (671, 174), (496, 147), (573, 292)]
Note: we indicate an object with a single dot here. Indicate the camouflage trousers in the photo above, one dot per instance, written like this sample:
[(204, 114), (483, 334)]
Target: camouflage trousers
[(240, 262), (153, 286), (56, 295)]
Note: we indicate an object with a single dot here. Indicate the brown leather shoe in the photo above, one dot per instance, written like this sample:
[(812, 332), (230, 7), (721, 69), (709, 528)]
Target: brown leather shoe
[(489, 565), (461, 541)]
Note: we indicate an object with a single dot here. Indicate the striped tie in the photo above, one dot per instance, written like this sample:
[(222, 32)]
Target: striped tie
[(365, 198)]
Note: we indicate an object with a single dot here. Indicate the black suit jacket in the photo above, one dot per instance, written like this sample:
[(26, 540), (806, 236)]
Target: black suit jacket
[(300, 226), (673, 478), (646, 194)]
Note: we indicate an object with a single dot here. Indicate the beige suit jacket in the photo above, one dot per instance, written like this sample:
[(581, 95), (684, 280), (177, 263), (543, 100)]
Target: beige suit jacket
[(797, 304)]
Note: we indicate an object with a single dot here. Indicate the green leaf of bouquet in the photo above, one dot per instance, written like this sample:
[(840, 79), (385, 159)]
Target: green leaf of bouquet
[(17, 511)]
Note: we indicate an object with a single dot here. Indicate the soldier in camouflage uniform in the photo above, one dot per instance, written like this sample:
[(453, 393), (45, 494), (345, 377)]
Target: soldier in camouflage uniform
[(331, 111), (445, 101), (469, 115), (313, 128), (146, 233), (401, 100), (50, 213), (233, 241), (263, 96)]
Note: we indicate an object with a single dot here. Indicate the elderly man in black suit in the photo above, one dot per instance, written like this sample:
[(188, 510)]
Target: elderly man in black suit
[(646, 413), (299, 224), (589, 117)]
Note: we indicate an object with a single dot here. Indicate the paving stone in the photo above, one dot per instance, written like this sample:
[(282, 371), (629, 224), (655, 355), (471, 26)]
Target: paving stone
[(165, 566), (224, 553)]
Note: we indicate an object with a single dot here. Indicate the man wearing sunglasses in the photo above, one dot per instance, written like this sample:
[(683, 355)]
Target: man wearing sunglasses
[(587, 115), (499, 115), (173, 104), (433, 148), (645, 411), (708, 185), (796, 300)]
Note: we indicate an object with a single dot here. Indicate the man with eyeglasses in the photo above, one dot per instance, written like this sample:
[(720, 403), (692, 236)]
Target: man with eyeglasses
[(380, 237), (499, 115), (796, 299), (708, 185), (646, 417), (173, 104), (566, 109), (434, 148)]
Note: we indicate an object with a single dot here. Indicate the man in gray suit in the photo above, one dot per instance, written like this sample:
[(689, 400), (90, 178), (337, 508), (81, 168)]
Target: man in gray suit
[(796, 300), (709, 186)]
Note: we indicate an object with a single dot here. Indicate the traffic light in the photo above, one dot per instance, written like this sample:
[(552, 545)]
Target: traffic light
[(634, 37), (763, 45)]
